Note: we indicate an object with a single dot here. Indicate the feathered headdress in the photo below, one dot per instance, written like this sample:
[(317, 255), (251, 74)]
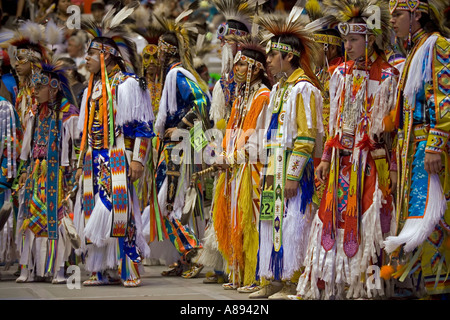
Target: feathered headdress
[(373, 13), (186, 32), (241, 11), (53, 73), (293, 24), (111, 27), (28, 41), (324, 21)]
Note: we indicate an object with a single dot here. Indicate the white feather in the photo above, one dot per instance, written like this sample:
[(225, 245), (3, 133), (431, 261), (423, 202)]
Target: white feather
[(53, 34), (123, 14), (182, 15), (296, 11), (33, 31)]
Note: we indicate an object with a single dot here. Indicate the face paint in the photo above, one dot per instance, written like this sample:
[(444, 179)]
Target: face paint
[(150, 56), (239, 76), (95, 58)]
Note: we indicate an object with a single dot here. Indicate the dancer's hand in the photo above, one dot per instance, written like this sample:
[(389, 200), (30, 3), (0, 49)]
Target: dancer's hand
[(136, 170), (433, 162), (22, 179), (322, 171), (168, 133), (78, 174), (393, 178), (291, 188)]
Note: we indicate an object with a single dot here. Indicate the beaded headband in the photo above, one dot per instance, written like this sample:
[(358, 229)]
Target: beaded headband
[(225, 30), (327, 39), (408, 5), (281, 47), (250, 61), (39, 77), (358, 28), (28, 53), (104, 47), (167, 47)]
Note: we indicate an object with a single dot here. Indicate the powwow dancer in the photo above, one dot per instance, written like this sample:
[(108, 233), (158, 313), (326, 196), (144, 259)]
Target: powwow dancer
[(116, 120), (48, 152), (355, 212), (420, 248), (237, 193), (27, 44), (294, 124), (184, 103), (237, 14)]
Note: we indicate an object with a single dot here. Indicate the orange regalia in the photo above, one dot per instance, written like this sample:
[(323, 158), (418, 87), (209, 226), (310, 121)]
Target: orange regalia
[(237, 196)]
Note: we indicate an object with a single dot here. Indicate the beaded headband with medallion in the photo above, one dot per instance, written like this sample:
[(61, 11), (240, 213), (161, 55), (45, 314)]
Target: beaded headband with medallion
[(104, 47), (250, 61), (28, 54), (408, 5), (44, 79), (225, 30), (346, 28), (272, 45)]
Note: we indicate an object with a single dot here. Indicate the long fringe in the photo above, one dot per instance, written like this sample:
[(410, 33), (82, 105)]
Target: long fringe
[(276, 263), (296, 228), (98, 227), (135, 103), (265, 248), (249, 230), (221, 217), (416, 230)]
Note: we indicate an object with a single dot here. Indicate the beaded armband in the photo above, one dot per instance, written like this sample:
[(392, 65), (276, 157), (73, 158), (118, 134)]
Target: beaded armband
[(437, 141), (296, 165), (140, 149)]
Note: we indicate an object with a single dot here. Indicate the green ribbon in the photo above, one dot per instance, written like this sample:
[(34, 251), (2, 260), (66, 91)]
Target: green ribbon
[(110, 109)]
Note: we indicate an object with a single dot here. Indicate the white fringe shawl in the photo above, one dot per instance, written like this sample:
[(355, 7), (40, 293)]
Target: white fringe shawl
[(133, 103), (416, 230), (168, 102), (420, 70), (334, 267), (130, 104)]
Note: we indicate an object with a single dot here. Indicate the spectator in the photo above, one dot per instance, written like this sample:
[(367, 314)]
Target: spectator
[(76, 50), (98, 10)]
